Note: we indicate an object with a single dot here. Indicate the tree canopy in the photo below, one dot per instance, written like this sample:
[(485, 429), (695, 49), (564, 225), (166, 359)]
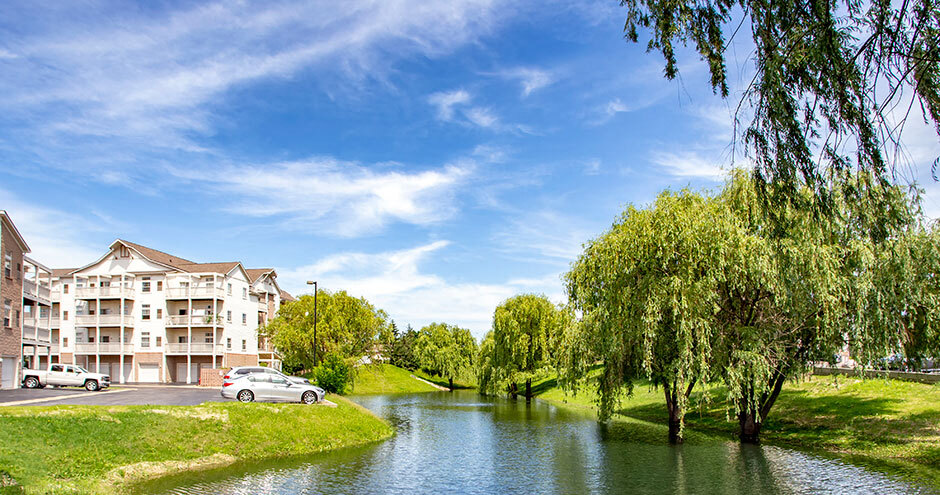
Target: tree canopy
[(833, 82), (346, 326), (445, 350)]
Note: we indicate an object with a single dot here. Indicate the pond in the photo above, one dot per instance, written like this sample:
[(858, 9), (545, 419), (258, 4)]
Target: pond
[(461, 442)]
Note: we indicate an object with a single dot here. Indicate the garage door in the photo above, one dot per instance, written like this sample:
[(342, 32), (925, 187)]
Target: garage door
[(148, 373), (128, 369), (7, 372), (181, 372)]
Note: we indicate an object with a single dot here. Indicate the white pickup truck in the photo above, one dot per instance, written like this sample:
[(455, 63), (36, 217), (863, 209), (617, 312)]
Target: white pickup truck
[(65, 375)]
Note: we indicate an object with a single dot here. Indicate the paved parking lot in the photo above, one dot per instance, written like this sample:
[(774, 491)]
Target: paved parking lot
[(114, 396)]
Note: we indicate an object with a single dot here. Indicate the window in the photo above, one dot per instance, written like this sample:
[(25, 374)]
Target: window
[(57, 367), (229, 316), (65, 341), (159, 285), (209, 338), (244, 319), (65, 288), (106, 283), (278, 380), (245, 293), (159, 341), (228, 344), (144, 311), (65, 315), (181, 339), (145, 339), (8, 265), (105, 339), (91, 339), (145, 285), (7, 312), (244, 345), (159, 313), (230, 289)]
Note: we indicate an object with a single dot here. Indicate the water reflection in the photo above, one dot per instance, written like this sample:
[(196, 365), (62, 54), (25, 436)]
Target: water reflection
[(462, 443)]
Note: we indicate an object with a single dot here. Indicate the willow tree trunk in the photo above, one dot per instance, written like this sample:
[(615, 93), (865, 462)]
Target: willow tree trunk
[(451, 381), (750, 427), (528, 388), (675, 417), (513, 391)]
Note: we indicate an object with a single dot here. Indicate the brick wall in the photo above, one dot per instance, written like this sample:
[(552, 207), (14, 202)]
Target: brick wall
[(233, 360), (211, 377), (11, 288)]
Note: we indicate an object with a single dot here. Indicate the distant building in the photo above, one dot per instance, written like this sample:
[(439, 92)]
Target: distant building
[(12, 248)]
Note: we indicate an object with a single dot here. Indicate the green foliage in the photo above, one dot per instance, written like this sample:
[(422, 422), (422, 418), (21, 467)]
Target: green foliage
[(346, 326), (333, 374), (526, 331), (833, 84), (402, 350), (445, 350)]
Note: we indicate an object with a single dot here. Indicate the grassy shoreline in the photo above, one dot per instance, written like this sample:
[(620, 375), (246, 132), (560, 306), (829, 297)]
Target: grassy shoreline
[(109, 449), (381, 378), (888, 425)]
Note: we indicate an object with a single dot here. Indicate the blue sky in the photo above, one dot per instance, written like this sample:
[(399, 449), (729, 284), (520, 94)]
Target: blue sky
[(434, 157)]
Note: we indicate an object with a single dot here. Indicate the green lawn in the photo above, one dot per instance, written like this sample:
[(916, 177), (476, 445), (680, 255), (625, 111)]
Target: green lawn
[(387, 379), (105, 449), (444, 382), (889, 424)]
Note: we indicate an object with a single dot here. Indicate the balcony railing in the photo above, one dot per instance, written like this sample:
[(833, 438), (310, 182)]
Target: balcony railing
[(103, 348), (54, 349), (54, 323), (36, 322), (113, 291), (86, 348), (263, 306), (194, 320), (29, 332), (109, 320), (195, 293), (197, 348), (37, 291)]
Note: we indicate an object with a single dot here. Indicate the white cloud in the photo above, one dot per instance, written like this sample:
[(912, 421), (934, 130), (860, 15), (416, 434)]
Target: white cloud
[(331, 196), (531, 79), (592, 167), (447, 100), (689, 164), (6, 54), (57, 239), (554, 237), (394, 281), (482, 117)]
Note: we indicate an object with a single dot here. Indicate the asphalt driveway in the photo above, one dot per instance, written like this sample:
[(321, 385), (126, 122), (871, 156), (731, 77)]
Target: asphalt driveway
[(115, 396)]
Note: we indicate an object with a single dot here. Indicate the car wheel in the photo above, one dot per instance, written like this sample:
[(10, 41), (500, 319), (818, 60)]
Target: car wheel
[(91, 385), (246, 396), (310, 397), (31, 382)]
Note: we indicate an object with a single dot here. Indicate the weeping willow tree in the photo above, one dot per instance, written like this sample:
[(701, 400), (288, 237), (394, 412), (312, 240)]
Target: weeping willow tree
[(834, 83), (719, 288), (526, 330), (445, 350)]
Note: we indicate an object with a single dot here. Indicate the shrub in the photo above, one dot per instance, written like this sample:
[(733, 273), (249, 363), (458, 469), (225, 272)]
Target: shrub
[(333, 374)]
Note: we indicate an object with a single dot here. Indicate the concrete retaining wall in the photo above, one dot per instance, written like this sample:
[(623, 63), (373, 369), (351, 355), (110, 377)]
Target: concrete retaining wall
[(899, 375)]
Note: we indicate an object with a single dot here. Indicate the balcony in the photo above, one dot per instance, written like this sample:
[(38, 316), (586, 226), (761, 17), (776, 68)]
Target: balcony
[(41, 322), (197, 348), (195, 293), (36, 334), (103, 348), (55, 323), (263, 306), (193, 320), (37, 292), (54, 349), (109, 320), (107, 292)]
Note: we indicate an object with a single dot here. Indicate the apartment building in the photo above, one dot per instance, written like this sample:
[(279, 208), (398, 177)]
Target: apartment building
[(143, 315), (37, 336), (12, 248)]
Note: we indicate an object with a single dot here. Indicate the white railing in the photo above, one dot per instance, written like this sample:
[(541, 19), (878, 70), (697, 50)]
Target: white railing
[(197, 348), (111, 291), (115, 348), (263, 306), (86, 348), (194, 292), (29, 332), (109, 320), (54, 323), (34, 322), (194, 320), (54, 349)]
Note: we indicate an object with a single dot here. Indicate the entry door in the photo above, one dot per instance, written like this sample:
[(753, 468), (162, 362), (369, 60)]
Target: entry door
[(148, 373), (128, 368), (8, 372)]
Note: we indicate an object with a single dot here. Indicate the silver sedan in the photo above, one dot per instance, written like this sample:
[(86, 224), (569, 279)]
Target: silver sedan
[(270, 387)]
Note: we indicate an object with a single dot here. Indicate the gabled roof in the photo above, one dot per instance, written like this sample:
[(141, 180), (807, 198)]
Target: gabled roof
[(155, 255), (223, 267), (61, 272), (285, 296), (5, 217), (256, 273)]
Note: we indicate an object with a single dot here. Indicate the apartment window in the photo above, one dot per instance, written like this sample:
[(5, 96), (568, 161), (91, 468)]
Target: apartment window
[(91, 339), (144, 311), (17, 316), (106, 283), (65, 288), (7, 312), (159, 285), (230, 289), (181, 339), (228, 316), (65, 341), (8, 266), (145, 339), (65, 315), (159, 313), (228, 344), (245, 293), (244, 319), (105, 339), (145, 285), (209, 338), (159, 341), (244, 345)]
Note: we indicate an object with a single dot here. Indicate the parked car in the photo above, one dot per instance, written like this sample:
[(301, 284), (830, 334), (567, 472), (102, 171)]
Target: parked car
[(65, 375), (271, 387), (240, 371)]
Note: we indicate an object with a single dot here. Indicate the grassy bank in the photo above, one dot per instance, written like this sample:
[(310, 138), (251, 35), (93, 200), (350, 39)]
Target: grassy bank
[(888, 424), (387, 379), (444, 382), (105, 449)]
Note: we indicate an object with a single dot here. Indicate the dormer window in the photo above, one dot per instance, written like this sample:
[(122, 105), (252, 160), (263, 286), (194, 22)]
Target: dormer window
[(125, 252)]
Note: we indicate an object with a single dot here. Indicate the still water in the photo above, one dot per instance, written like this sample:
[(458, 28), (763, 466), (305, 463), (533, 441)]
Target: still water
[(463, 443)]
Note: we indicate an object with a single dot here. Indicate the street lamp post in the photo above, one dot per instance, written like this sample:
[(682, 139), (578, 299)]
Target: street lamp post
[(314, 284)]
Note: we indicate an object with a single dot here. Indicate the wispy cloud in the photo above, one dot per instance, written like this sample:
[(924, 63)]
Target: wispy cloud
[(394, 281), (445, 102), (340, 198), (689, 164), (530, 78), (545, 235)]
